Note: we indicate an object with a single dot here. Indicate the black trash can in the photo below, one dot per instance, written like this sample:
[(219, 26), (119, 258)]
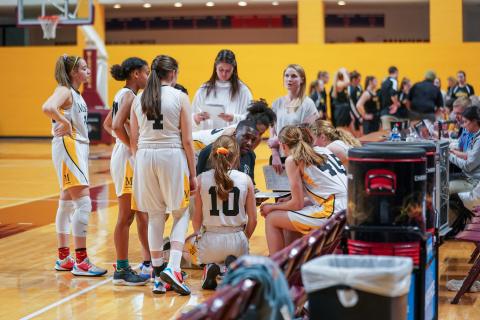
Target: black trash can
[(430, 152), (386, 187), (357, 287)]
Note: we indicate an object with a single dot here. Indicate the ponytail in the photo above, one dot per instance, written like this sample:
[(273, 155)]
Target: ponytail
[(224, 156), (64, 66), (299, 141), (122, 72), (325, 127), (347, 138), (152, 95)]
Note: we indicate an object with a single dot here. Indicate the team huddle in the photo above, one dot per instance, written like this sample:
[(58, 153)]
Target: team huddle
[(162, 170)]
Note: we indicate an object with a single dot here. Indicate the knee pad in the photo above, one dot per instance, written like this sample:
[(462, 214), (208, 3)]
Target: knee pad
[(83, 207), (64, 215), (156, 226), (180, 226)]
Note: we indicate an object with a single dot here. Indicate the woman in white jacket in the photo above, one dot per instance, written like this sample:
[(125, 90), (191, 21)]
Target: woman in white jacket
[(224, 91)]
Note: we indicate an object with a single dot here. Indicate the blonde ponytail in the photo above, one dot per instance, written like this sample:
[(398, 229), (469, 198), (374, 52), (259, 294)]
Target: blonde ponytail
[(299, 141)]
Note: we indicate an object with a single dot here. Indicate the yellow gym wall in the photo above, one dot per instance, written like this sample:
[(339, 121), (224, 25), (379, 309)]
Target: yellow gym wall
[(28, 71)]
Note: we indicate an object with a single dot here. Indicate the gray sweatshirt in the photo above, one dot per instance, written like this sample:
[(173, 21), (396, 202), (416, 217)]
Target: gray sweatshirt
[(471, 166)]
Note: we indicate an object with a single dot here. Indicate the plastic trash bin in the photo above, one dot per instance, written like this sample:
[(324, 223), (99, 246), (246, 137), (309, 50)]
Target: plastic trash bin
[(357, 287)]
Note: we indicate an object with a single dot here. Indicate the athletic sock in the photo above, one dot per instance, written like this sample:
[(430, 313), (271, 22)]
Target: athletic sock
[(175, 259), (122, 264), (63, 252), (80, 254)]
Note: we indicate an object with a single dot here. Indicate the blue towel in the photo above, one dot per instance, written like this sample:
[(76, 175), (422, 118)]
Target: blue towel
[(273, 301)]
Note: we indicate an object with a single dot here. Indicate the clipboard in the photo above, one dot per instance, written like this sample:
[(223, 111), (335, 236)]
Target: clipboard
[(214, 110), (274, 181), (275, 195)]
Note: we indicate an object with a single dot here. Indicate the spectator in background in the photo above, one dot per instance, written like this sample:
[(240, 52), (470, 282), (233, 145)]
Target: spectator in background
[(319, 97), (325, 78), (405, 86), (354, 93), (340, 100), (451, 83), (389, 100), (425, 99), (462, 89), (438, 83), (369, 106)]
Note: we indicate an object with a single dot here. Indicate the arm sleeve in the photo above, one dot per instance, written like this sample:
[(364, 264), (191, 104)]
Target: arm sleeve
[(473, 158), (198, 101), (244, 99), (310, 109)]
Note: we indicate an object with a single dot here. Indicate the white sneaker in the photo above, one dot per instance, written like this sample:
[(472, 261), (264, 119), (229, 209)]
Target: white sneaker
[(455, 285), (158, 286), (86, 268)]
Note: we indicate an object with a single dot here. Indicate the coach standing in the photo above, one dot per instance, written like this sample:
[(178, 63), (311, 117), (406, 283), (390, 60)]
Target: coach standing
[(425, 99)]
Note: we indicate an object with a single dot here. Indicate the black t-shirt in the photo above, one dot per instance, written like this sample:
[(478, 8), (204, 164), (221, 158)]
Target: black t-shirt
[(320, 100), (465, 91), (354, 93), (387, 91), (425, 97), (372, 105), (247, 162)]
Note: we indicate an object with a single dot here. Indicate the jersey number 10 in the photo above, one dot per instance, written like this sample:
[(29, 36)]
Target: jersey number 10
[(226, 211)]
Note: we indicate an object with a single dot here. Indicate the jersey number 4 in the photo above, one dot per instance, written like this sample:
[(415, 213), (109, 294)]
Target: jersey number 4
[(157, 122), (333, 165), (226, 211)]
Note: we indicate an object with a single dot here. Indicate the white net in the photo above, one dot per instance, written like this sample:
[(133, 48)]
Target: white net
[(49, 26)]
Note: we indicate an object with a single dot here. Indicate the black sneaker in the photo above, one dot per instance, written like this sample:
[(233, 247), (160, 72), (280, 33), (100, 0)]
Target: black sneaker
[(229, 260), (209, 276), (128, 277)]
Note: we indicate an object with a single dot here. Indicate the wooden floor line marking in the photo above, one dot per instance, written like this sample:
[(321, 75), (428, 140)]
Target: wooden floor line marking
[(66, 299)]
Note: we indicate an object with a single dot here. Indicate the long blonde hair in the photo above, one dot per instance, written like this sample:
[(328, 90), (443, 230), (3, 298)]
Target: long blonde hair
[(64, 66), (299, 140), (325, 127), (297, 102), (225, 154)]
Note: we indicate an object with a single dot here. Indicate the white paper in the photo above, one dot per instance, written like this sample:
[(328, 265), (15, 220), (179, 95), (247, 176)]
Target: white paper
[(274, 181), (261, 195), (214, 110)]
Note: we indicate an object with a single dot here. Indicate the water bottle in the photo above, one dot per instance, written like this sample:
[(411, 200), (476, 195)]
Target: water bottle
[(395, 134)]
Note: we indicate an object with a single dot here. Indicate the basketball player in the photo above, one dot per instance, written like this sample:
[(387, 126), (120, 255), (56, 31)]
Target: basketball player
[(161, 137), (312, 172), (135, 72), (226, 197), (70, 148)]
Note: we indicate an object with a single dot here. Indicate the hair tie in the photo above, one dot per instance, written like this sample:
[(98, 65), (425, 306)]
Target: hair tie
[(222, 150), (65, 57)]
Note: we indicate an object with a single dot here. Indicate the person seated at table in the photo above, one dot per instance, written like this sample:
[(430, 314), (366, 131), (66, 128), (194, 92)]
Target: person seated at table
[(471, 165)]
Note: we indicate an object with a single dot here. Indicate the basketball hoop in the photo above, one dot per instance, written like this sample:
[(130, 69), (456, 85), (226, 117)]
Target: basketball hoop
[(49, 26)]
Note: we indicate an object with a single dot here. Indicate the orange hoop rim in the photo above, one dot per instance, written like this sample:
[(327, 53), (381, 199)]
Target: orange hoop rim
[(53, 18)]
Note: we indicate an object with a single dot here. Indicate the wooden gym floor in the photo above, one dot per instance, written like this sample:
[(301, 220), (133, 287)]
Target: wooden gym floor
[(30, 288)]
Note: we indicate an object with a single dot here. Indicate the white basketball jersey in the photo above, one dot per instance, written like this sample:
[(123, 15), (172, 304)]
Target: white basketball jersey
[(326, 183), (203, 138), (77, 115), (117, 102), (219, 213), (166, 129)]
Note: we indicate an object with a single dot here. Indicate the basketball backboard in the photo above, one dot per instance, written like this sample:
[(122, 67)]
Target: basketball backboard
[(70, 12)]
